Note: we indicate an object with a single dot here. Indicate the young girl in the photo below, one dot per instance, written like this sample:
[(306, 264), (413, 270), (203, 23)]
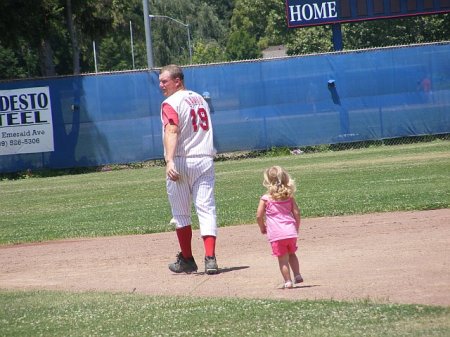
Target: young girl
[(278, 216)]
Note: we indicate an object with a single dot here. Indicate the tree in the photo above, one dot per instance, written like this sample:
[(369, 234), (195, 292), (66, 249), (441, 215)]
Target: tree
[(253, 15), (54, 37), (266, 22), (37, 22), (242, 46), (310, 40), (222, 8), (9, 66), (58, 34), (380, 33), (114, 54), (170, 39), (208, 52)]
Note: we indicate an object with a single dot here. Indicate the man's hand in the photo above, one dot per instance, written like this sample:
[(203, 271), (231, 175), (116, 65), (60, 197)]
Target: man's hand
[(171, 171)]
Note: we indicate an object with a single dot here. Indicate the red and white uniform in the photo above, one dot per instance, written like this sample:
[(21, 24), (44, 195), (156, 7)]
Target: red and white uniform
[(191, 113), (194, 156)]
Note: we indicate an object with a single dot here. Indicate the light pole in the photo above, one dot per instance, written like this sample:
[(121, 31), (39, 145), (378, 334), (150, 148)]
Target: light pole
[(181, 23), (148, 35)]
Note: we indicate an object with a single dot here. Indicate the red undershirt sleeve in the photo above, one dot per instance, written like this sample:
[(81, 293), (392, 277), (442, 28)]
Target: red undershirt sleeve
[(169, 115)]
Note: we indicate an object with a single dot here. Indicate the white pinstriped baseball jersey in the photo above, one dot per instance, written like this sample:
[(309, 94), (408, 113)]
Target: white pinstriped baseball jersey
[(195, 136), (194, 161)]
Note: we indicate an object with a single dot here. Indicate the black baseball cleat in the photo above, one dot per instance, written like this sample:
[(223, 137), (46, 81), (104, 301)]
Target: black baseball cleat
[(183, 265), (211, 265)]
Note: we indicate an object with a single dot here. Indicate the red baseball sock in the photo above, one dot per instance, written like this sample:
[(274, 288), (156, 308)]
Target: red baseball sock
[(184, 235), (210, 245)]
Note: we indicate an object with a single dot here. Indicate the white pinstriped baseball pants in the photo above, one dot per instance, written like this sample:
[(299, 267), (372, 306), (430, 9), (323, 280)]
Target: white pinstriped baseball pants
[(196, 183)]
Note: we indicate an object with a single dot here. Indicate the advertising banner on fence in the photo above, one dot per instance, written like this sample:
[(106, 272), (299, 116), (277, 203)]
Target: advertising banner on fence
[(302, 13), (25, 121)]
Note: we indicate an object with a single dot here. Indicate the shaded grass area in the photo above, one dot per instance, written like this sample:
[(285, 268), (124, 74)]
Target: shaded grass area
[(42, 313), (134, 201)]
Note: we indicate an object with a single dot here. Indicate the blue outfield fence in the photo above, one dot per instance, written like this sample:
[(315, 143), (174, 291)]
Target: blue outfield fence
[(297, 101)]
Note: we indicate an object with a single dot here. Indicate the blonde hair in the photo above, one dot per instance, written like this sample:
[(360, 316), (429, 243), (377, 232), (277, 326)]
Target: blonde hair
[(279, 184)]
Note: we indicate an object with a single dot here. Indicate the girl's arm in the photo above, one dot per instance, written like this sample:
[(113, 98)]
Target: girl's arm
[(296, 213), (260, 216)]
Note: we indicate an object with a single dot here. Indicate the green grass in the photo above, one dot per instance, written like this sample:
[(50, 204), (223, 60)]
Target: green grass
[(44, 313), (134, 201)]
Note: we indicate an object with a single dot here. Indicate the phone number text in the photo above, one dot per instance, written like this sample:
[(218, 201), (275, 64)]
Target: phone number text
[(19, 142)]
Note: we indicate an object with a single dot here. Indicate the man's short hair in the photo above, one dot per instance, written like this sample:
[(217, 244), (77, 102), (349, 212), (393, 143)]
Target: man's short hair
[(174, 71)]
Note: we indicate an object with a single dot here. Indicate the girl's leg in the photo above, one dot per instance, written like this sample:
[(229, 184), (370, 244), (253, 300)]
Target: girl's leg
[(295, 265), (283, 262)]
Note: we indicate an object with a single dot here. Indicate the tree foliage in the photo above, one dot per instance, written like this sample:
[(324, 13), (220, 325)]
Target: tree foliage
[(381, 33), (55, 37), (9, 65), (242, 46), (208, 52), (310, 40)]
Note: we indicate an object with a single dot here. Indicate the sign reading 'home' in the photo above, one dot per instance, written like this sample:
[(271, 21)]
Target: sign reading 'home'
[(300, 13)]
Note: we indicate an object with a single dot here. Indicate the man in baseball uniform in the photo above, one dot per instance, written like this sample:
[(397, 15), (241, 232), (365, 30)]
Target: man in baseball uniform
[(189, 152)]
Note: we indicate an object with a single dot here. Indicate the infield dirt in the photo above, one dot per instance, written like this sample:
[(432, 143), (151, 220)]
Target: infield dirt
[(399, 257)]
